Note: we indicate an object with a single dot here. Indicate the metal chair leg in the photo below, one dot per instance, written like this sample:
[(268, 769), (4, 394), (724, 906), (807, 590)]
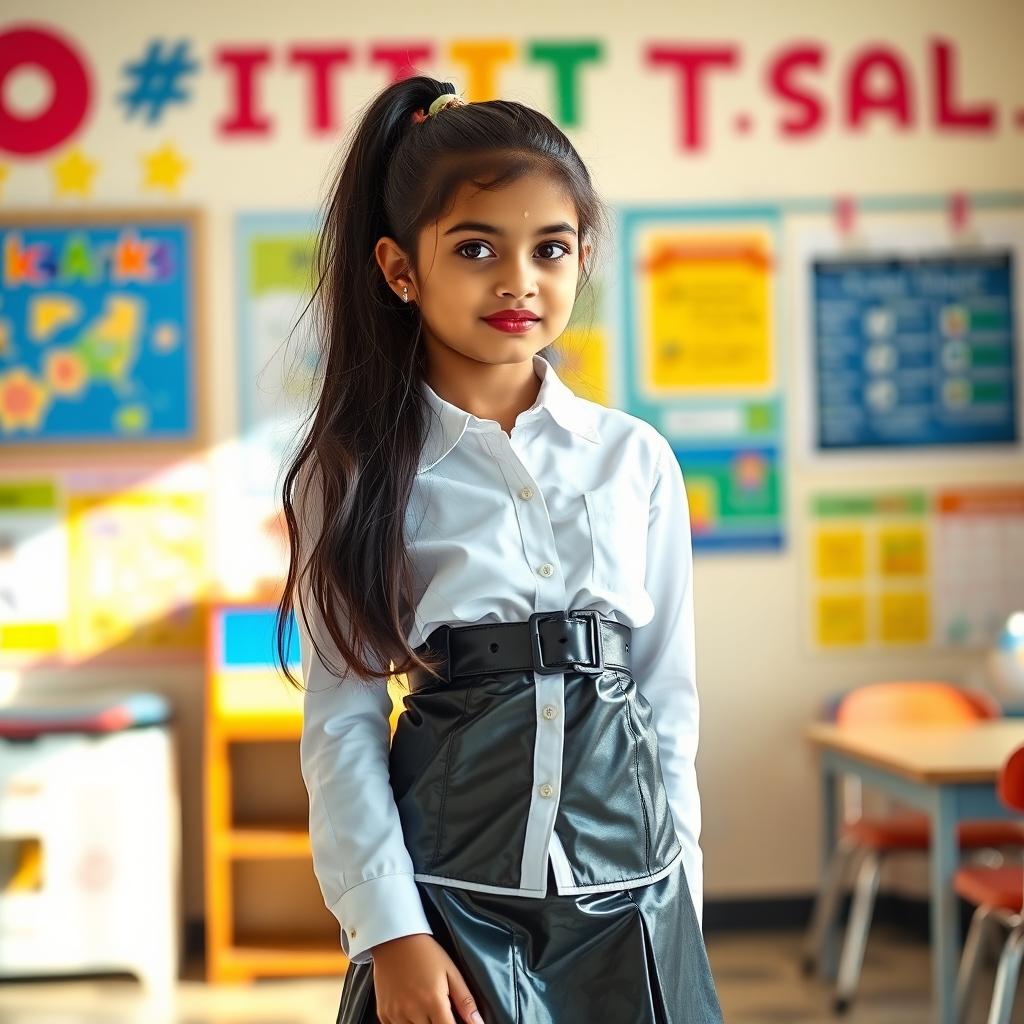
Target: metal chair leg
[(856, 937), (827, 903), (1006, 977), (974, 950)]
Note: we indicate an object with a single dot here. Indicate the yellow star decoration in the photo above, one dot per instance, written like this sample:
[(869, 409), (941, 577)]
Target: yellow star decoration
[(74, 172), (164, 168)]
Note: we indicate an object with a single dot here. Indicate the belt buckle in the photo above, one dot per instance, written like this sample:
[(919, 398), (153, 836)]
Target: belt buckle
[(593, 616), (539, 664)]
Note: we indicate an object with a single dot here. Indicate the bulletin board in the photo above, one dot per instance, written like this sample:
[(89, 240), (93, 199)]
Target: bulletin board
[(100, 332), (910, 337), (103, 564), (700, 360), (906, 568)]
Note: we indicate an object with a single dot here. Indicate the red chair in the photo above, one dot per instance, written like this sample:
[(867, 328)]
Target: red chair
[(998, 894), (865, 841)]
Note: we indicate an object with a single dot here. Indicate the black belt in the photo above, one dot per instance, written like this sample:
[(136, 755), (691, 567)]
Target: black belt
[(577, 639)]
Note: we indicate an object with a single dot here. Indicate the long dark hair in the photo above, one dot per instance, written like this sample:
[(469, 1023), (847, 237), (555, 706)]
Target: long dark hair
[(352, 472)]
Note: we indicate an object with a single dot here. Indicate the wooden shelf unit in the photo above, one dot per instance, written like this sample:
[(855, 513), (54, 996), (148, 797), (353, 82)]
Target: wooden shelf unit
[(248, 702)]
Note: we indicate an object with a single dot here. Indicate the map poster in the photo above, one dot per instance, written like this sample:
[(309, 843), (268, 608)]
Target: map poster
[(99, 333)]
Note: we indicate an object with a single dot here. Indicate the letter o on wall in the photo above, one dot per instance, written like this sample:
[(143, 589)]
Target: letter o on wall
[(70, 95)]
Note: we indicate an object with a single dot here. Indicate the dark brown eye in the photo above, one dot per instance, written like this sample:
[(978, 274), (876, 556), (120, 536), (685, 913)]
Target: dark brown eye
[(563, 250)]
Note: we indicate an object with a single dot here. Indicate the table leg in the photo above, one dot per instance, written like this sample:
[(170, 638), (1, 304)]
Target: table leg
[(945, 906), (828, 965)]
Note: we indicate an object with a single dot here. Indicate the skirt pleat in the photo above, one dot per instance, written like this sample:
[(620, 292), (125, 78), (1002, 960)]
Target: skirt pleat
[(625, 956)]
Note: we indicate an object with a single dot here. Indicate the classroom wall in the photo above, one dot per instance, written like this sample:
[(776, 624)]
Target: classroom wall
[(760, 678)]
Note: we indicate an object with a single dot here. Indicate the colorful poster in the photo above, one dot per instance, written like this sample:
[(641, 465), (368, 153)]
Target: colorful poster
[(891, 569), (33, 570), (915, 350), (700, 361), (871, 569), (278, 351), (137, 562), (979, 533), (98, 331), (103, 564)]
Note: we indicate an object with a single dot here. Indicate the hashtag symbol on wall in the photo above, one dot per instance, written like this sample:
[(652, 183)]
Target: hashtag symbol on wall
[(158, 79)]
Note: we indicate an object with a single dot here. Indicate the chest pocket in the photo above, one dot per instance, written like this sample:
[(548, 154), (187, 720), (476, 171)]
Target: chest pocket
[(618, 530)]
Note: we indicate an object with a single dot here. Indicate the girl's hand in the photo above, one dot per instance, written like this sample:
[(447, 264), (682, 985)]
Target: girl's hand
[(417, 982)]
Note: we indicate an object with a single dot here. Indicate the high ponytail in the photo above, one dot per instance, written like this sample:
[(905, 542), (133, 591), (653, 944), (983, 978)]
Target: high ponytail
[(346, 488)]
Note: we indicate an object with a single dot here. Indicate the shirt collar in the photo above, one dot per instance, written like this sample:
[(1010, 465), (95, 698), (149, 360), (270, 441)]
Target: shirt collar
[(448, 422)]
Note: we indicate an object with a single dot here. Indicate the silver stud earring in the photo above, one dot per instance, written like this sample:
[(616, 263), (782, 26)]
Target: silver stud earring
[(405, 293)]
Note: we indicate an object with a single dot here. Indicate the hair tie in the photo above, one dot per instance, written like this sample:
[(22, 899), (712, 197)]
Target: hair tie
[(445, 100)]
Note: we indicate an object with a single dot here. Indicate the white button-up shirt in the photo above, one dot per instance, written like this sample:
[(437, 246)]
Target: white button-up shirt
[(583, 506)]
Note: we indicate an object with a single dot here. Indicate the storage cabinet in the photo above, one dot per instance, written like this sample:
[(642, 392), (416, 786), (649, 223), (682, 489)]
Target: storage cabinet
[(265, 915)]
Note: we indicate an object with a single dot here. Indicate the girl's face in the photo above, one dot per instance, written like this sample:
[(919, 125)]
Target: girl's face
[(514, 248)]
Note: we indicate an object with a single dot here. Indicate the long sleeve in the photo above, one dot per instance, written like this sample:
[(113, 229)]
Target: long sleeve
[(360, 859), (664, 662)]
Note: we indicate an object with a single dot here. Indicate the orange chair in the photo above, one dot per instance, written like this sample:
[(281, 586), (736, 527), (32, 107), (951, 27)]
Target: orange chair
[(868, 839), (998, 894)]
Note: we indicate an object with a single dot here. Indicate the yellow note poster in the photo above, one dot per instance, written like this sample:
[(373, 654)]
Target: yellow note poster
[(870, 565), (707, 296)]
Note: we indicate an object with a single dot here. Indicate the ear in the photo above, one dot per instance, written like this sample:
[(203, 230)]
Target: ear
[(394, 264)]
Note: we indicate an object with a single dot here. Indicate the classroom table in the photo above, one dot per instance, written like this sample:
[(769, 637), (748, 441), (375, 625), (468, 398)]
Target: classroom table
[(949, 772)]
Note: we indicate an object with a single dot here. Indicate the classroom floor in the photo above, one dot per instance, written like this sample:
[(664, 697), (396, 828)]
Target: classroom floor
[(757, 975)]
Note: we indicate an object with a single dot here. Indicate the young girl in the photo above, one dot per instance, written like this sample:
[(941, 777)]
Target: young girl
[(525, 848)]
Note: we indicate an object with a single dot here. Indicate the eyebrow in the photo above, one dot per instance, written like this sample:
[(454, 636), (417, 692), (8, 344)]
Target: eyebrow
[(490, 229)]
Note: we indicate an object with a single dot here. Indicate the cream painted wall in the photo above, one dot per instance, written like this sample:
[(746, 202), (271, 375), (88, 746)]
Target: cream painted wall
[(758, 682)]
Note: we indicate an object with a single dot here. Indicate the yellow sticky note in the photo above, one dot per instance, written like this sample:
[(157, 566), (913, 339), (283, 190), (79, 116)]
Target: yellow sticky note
[(902, 551), (842, 620), (839, 553), (904, 617)]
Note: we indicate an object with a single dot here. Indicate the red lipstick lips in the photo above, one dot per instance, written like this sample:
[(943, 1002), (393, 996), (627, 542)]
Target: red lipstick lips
[(513, 321)]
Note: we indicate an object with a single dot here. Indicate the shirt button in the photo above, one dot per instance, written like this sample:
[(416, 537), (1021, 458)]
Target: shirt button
[(546, 789), (546, 569), (527, 493), (549, 711)]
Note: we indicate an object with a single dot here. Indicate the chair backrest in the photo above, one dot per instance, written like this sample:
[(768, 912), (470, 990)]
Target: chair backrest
[(913, 702), (1011, 780), (985, 702)]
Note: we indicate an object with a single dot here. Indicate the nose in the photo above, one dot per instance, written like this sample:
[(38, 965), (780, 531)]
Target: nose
[(519, 280)]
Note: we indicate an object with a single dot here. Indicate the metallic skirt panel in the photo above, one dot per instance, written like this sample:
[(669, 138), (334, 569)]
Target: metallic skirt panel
[(462, 773), (627, 956)]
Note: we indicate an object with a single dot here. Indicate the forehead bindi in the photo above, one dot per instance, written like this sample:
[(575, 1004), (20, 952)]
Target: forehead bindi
[(530, 205)]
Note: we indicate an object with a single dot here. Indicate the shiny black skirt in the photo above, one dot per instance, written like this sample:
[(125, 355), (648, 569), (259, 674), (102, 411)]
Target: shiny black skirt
[(624, 956), (618, 956), (628, 956)]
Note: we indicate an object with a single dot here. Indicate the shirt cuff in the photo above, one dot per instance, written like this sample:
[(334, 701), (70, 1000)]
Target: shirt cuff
[(377, 910)]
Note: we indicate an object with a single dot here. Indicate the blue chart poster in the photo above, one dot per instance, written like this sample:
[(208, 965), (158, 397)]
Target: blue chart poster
[(98, 337), (915, 351)]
